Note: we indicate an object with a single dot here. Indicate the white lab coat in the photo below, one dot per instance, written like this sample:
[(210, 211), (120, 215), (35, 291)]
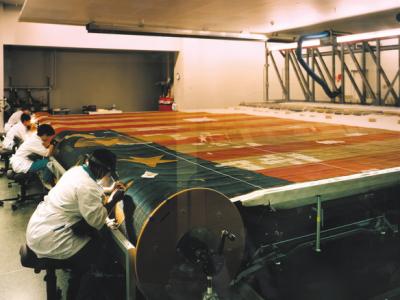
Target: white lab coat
[(14, 119), (75, 195), (18, 130), (20, 162)]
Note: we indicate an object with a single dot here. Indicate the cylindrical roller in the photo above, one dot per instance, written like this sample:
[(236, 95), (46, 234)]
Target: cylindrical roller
[(163, 269)]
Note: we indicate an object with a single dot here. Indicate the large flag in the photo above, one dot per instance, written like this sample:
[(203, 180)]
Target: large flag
[(158, 172)]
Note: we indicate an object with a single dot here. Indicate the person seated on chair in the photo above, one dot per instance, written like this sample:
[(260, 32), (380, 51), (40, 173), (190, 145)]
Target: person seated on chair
[(32, 155), (20, 131), (62, 225), (16, 117)]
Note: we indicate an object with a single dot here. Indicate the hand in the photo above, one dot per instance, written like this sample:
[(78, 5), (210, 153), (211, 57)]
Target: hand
[(114, 187), (112, 224), (119, 185), (54, 142)]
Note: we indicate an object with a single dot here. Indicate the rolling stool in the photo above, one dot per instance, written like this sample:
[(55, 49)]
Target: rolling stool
[(30, 260), (22, 179), (5, 155)]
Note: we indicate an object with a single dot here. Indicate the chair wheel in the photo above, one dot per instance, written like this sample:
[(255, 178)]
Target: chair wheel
[(1, 203), (14, 207)]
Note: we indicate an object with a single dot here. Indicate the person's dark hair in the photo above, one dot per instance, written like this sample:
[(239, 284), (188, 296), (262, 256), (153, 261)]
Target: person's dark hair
[(25, 117), (25, 107), (45, 129), (101, 162)]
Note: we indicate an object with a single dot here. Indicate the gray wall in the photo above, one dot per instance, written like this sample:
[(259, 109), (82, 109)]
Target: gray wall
[(26, 66), (82, 77)]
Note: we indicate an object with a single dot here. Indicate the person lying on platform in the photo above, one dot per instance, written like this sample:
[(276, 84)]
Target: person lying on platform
[(16, 117), (33, 155), (62, 226), (20, 131)]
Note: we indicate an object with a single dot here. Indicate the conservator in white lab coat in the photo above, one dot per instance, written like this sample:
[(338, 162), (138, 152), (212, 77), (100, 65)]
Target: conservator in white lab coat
[(32, 155), (77, 198), (16, 117), (21, 131)]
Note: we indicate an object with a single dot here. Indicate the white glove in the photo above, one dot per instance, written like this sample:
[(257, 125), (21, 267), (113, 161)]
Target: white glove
[(112, 224)]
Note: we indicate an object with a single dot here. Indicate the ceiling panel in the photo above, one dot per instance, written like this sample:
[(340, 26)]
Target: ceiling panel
[(255, 16), (369, 22)]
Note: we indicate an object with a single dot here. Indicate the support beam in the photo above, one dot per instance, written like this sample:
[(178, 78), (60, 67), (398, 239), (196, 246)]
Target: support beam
[(322, 75), (383, 48), (328, 74), (287, 75), (266, 73), (324, 66), (353, 82), (390, 87), (364, 67), (346, 70), (308, 75), (342, 64), (378, 73), (313, 81), (398, 53), (382, 72), (277, 73), (298, 76), (363, 77), (334, 64), (305, 82)]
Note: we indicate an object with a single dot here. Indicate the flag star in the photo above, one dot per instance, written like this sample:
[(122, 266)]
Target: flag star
[(203, 138)]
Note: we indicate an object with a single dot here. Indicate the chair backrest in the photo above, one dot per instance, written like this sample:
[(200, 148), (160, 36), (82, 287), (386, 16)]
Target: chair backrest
[(10, 174)]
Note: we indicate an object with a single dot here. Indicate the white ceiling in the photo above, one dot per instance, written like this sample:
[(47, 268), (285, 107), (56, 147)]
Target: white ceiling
[(364, 23), (255, 16)]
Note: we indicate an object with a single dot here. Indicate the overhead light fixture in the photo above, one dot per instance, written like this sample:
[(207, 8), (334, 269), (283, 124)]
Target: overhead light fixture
[(288, 46), (173, 32), (368, 35)]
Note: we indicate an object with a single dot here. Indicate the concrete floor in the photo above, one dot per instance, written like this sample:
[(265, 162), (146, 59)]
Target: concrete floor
[(17, 282)]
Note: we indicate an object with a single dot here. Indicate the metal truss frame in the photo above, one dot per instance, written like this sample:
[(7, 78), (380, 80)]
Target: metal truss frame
[(343, 51)]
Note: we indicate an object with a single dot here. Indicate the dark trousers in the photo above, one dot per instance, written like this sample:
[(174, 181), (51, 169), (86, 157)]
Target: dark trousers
[(81, 263)]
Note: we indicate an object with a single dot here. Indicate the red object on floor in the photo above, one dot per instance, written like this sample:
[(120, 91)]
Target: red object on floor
[(165, 107), (165, 103)]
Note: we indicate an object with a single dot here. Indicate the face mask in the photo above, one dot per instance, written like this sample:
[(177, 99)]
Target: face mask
[(106, 180)]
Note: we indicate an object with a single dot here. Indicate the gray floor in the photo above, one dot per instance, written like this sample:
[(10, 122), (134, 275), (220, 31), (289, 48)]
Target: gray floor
[(17, 282)]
